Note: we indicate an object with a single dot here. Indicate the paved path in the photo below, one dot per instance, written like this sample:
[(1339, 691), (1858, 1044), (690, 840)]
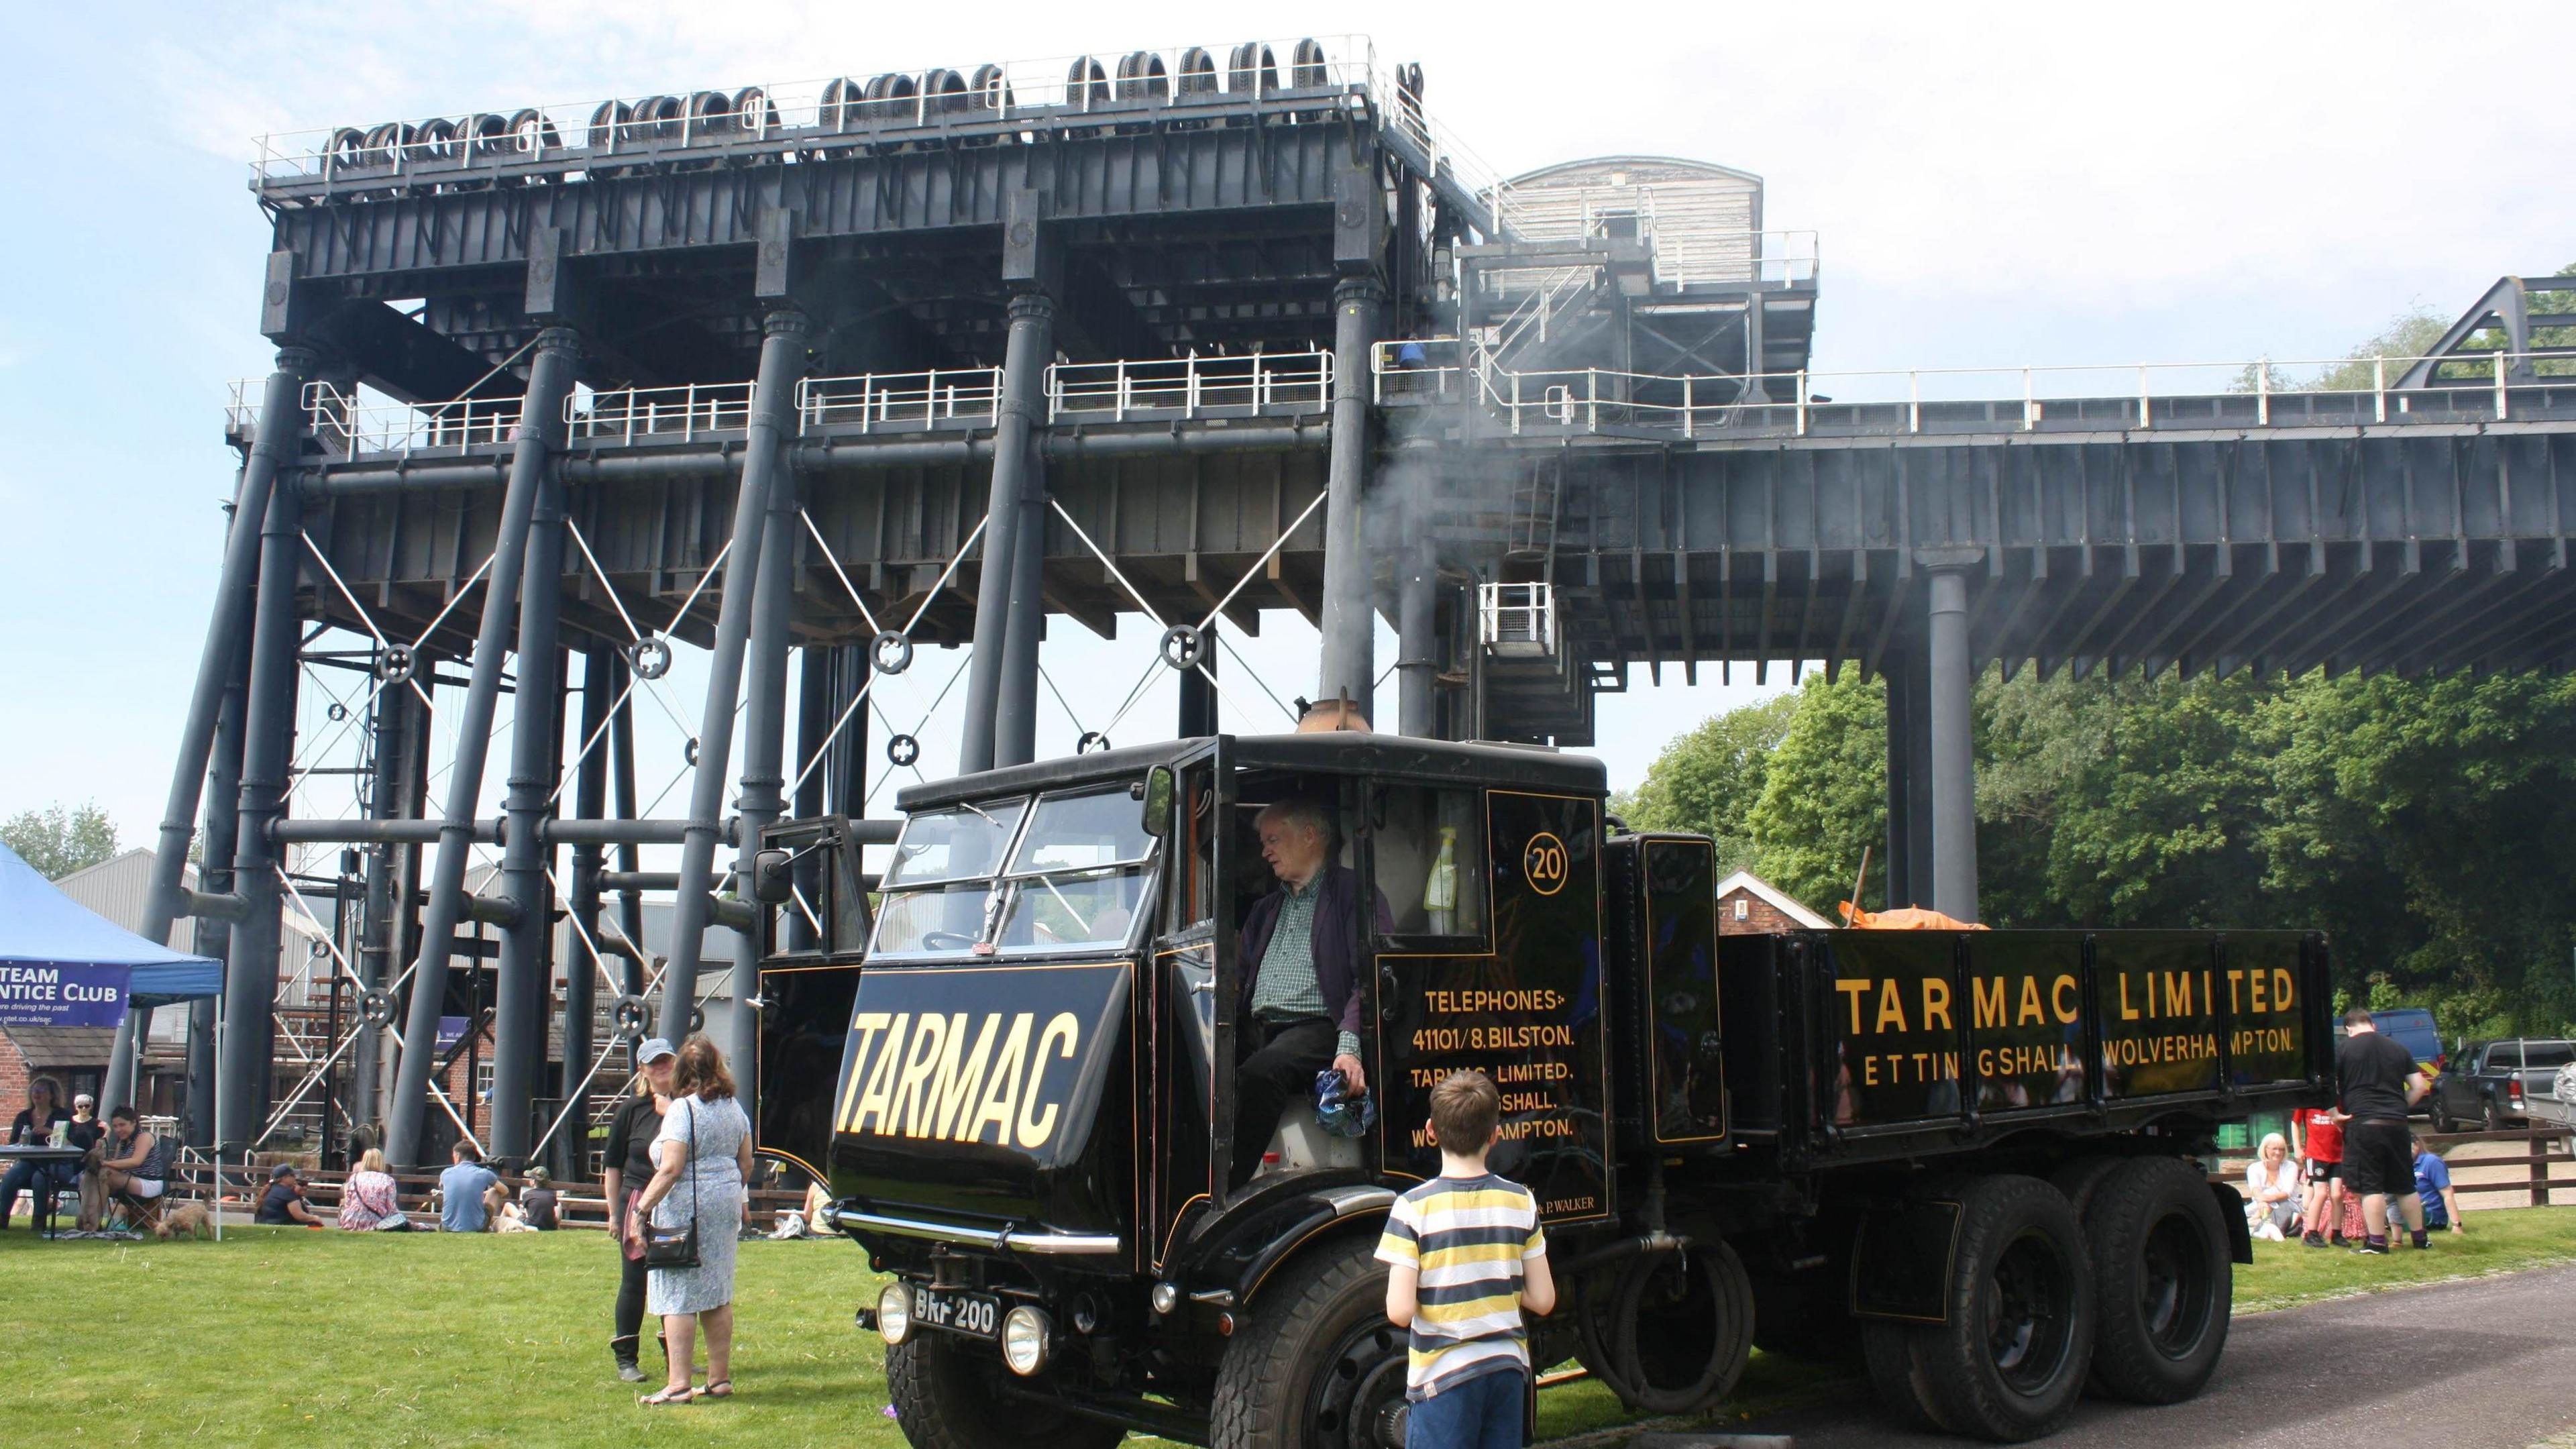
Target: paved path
[(2489, 1363)]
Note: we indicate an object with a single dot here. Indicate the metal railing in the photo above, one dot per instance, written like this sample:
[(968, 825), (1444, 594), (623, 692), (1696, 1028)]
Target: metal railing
[(350, 427), (1777, 257), (1335, 71), (1191, 386), (1517, 620), (2470, 387), (902, 399), (675, 414)]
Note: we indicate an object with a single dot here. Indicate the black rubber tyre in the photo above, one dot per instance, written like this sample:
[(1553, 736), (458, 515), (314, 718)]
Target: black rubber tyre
[(1887, 1352), (951, 1394), (2441, 1115), (1317, 1366), (2076, 1181), (2163, 1285), (2010, 1363), (2491, 1117)]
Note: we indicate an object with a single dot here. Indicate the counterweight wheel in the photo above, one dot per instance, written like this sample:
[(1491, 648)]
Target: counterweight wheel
[(2162, 1280), (1318, 1366), (950, 1394), (2009, 1362)]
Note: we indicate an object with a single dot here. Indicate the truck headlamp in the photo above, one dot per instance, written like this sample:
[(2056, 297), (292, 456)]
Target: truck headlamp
[(894, 1312), (1024, 1340)]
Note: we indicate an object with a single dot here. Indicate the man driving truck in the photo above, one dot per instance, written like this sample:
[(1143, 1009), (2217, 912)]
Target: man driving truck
[(1300, 1011)]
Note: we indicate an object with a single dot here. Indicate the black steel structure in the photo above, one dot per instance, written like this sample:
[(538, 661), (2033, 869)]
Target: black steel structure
[(777, 374)]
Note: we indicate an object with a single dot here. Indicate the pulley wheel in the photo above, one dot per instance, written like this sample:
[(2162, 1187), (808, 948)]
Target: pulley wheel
[(376, 1007), (902, 750), (1183, 646), (629, 1017), (891, 652), (394, 663), (697, 1020), (689, 751), (337, 712), (649, 657), (1092, 742)]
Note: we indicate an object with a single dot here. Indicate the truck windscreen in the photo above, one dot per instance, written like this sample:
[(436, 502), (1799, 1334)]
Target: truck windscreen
[(1076, 876)]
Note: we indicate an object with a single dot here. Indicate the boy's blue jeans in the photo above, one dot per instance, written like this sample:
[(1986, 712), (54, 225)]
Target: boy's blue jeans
[(1482, 1413)]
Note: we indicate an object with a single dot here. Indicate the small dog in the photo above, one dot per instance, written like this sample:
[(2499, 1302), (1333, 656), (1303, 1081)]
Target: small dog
[(187, 1219)]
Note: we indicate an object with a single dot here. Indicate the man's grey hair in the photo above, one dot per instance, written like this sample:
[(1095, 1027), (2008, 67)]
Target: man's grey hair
[(1300, 811)]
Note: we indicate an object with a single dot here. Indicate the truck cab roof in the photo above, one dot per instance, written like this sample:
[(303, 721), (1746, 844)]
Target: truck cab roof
[(1344, 752)]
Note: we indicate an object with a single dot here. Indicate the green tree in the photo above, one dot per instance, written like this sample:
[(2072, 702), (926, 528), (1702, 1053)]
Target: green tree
[(1708, 780), (57, 842), (1824, 797)]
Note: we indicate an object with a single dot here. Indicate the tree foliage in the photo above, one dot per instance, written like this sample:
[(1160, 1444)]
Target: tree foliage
[(57, 842), (1825, 795), (1709, 779)]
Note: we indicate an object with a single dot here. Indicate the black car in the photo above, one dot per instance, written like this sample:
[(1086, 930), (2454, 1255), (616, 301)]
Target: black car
[(2491, 1083)]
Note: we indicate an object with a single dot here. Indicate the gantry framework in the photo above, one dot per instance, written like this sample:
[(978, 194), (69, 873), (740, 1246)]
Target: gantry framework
[(774, 372)]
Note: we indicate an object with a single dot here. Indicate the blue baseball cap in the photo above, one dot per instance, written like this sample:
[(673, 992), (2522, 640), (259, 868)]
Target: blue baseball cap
[(652, 1049)]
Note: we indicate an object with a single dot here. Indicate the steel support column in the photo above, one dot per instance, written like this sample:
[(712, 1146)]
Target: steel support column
[(520, 990), (1950, 689), (1349, 612), (599, 687), (1015, 508), (782, 362), (1198, 712), (549, 379), (214, 933), (396, 735), (814, 714), (1015, 733), (764, 750), (630, 856), (1907, 871), (1417, 638), (268, 747), (274, 445)]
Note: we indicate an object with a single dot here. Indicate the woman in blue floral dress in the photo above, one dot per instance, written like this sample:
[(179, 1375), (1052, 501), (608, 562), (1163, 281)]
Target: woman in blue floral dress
[(700, 1161)]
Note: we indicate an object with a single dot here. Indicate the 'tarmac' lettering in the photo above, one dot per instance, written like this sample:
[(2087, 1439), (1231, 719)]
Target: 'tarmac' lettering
[(919, 1076)]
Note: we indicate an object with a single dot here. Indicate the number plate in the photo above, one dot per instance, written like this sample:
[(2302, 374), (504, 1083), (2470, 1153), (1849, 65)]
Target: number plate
[(977, 1315)]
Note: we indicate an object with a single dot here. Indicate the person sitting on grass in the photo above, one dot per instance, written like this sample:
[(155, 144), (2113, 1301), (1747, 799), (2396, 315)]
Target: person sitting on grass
[(540, 1202), (283, 1205), (2433, 1189), (370, 1201), (462, 1207), (1465, 1254)]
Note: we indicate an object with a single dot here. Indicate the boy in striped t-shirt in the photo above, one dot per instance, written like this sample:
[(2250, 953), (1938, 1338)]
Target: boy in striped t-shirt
[(1465, 1255)]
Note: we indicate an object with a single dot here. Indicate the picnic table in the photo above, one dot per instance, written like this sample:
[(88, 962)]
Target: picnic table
[(44, 1186)]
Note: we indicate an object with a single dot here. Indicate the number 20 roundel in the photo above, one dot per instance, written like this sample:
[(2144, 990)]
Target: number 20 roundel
[(1543, 863)]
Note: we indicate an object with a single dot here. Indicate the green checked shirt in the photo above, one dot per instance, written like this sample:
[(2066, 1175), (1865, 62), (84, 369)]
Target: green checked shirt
[(1287, 989)]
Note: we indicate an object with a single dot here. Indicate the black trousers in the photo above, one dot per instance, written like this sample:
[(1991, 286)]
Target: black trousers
[(630, 1296), (1275, 1064)]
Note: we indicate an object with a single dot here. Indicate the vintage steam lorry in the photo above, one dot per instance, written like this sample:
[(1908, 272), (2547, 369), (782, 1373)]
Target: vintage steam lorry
[(1967, 1159)]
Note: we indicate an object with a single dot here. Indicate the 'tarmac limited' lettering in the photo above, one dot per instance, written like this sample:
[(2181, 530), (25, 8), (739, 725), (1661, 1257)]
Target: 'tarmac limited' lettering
[(930, 1076)]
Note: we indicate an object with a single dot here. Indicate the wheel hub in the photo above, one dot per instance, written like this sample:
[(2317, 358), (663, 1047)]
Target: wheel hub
[(1358, 1400)]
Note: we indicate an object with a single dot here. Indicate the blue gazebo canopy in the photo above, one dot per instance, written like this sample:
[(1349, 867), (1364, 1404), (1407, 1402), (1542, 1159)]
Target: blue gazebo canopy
[(40, 926)]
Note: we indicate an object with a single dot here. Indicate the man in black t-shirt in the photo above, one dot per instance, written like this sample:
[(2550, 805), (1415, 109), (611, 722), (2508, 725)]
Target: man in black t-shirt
[(2380, 1081)]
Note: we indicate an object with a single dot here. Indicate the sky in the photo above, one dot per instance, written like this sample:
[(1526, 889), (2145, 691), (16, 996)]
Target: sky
[(1992, 185)]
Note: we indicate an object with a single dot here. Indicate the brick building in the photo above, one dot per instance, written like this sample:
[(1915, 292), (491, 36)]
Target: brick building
[(1748, 905)]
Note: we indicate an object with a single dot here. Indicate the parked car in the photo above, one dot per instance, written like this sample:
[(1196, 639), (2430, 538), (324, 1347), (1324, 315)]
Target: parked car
[(2492, 1084)]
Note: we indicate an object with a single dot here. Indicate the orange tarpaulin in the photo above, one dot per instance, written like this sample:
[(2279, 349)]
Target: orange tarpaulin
[(1902, 918)]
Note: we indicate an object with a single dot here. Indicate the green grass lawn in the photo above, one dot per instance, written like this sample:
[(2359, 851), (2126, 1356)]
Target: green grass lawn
[(290, 1336)]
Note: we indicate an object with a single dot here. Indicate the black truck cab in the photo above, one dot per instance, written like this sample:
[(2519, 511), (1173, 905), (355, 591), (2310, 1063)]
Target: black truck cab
[(1019, 1091)]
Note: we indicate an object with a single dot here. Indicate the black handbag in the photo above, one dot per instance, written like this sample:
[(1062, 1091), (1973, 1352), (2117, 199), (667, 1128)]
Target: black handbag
[(678, 1247)]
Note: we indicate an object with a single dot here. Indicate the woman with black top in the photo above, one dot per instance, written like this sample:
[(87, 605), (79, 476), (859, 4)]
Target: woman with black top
[(34, 1127), (629, 1160)]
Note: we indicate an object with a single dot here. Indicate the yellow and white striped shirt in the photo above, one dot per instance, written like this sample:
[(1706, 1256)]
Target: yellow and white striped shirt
[(1466, 1239)]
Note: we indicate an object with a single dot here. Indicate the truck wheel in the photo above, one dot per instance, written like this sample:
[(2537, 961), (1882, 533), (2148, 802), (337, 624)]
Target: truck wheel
[(2009, 1364), (2441, 1115), (1887, 1350), (2491, 1116), (2162, 1282), (948, 1395), (1683, 1327), (2077, 1180), (1317, 1364)]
